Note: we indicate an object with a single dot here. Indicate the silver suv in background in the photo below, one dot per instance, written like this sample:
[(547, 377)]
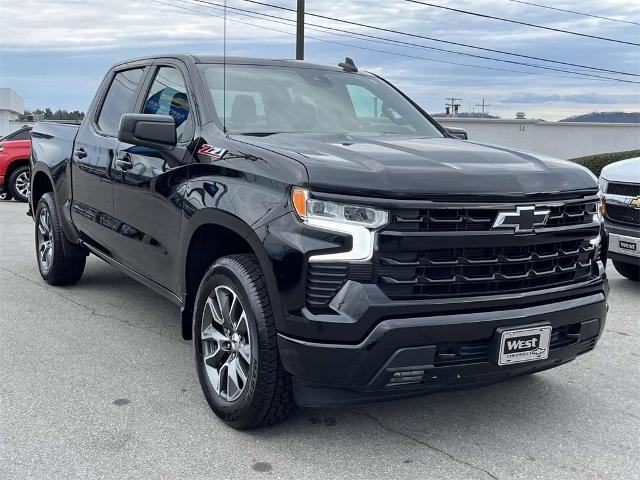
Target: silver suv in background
[(620, 187)]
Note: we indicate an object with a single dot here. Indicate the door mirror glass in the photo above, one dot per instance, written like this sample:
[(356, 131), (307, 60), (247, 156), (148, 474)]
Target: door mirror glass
[(145, 130)]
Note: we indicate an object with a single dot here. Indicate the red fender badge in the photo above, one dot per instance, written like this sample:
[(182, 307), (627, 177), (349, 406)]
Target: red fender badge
[(211, 151)]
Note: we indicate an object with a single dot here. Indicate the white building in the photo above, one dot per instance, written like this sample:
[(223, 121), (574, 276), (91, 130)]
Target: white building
[(557, 139), (11, 107)]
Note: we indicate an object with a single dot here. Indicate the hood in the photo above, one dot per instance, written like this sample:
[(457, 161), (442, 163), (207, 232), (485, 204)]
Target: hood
[(623, 171), (416, 167)]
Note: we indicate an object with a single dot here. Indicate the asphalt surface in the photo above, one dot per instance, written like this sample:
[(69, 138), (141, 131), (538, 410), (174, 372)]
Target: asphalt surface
[(96, 382)]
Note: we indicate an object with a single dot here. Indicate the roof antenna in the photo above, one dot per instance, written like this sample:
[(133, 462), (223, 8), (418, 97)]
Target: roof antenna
[(348, 65), (224, 71)]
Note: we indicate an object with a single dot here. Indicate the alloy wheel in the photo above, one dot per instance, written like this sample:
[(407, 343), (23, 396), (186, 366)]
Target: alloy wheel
[(22, 184), (226, 343), (45, 240)]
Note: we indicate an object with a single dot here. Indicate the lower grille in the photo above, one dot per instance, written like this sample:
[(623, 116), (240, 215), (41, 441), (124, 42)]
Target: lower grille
[(622, 214), (450, 354), (481, 270)]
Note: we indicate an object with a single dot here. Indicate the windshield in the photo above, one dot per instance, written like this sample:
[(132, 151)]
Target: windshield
[(265, 100)]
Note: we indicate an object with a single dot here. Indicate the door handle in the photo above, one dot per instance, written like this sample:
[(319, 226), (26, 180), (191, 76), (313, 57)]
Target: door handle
[(80, 153), (124, 163)]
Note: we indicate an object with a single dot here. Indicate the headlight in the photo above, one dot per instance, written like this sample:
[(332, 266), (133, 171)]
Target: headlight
[(359, 222), (310, 208), (602, 184)]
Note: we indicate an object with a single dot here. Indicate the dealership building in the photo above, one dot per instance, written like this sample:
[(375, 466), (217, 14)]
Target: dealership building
[(11, 109)]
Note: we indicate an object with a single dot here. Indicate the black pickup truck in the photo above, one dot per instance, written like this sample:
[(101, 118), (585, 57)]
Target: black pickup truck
[(327, 241)]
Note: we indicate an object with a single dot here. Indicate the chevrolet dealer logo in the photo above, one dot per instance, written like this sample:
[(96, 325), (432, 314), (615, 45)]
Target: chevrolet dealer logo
[(523, 220), (635, 202)]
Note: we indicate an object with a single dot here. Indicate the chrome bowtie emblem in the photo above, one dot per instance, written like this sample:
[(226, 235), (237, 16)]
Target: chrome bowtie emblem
[(523, 219)]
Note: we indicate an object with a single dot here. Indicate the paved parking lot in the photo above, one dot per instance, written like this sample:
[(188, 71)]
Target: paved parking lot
[(96, 382)]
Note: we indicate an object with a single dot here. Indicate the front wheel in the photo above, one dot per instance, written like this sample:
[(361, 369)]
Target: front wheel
[(56, 268), (19, 183), (629, 270), (235, 346)]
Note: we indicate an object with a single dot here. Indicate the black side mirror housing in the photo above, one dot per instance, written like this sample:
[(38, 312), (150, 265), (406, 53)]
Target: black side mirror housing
[(457, 132), (147, 130)]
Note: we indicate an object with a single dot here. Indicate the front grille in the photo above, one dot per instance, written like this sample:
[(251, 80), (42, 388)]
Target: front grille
[(625, 189), (622, 214), (416, 257), (441, 272), (480, 219)]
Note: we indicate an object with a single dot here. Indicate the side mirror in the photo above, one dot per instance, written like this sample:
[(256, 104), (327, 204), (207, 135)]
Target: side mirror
[(457, 132), (147, 130)]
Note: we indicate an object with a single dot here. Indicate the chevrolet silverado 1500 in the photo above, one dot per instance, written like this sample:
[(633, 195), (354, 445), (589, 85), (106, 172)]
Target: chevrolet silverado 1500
[(327, 241)]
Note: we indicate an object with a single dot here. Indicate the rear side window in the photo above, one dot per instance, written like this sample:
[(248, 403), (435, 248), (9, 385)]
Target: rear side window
[(19, 135), (23, 135), (120, 99), (168, 96)]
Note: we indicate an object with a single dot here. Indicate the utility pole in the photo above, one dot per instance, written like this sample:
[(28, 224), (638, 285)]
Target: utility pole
[(452, 106), (300, 31), (483, 105)]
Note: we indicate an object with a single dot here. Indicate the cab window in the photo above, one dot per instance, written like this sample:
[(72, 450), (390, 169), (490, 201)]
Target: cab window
[(168, 96), (119, 100)]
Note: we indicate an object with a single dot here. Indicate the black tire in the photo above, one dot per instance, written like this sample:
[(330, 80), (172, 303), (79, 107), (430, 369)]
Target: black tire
[(60, 269), (629, 270), (266, 396), (15, 183)]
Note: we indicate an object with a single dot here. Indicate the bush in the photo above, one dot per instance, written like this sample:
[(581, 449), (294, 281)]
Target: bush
[(596, 163)]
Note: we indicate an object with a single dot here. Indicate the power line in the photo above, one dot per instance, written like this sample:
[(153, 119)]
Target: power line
[(574, 12), (508, 20), (386, 41), (415, 35), (283, 20)]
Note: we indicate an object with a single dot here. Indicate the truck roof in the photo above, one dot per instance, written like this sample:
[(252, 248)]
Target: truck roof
[(234, 60)]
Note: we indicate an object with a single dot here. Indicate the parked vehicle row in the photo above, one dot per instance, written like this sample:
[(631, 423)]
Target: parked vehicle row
[(15, 149), (327, 241), (620, 187)]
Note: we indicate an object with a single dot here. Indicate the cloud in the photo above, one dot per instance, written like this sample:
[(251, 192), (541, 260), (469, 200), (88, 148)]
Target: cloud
[(71, 43), (593, 98)]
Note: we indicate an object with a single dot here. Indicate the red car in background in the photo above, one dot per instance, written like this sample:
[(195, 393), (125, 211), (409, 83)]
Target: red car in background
[(15, 149)]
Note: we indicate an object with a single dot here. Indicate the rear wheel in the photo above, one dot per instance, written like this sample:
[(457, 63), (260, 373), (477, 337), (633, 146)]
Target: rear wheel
[(20, 183), (55, 266), (629, 270), (235, 346)]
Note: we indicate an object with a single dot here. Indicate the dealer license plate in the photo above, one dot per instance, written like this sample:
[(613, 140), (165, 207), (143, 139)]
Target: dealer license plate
[(524, 345)]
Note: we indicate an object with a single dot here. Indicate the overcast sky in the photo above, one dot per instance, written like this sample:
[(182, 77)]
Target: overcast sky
[(54, 53)]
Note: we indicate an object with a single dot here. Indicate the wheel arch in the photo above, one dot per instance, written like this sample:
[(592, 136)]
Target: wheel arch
[(17, 163), (209, 235), (40, 184)]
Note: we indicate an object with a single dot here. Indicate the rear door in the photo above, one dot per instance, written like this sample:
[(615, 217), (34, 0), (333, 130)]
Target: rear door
[(149, 183), (94, 151)]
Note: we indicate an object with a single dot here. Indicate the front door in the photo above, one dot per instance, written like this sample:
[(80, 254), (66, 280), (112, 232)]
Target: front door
[(149, 183)]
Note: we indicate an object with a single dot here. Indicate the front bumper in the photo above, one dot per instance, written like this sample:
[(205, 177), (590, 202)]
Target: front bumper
[(438, 352), (624, 233)]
